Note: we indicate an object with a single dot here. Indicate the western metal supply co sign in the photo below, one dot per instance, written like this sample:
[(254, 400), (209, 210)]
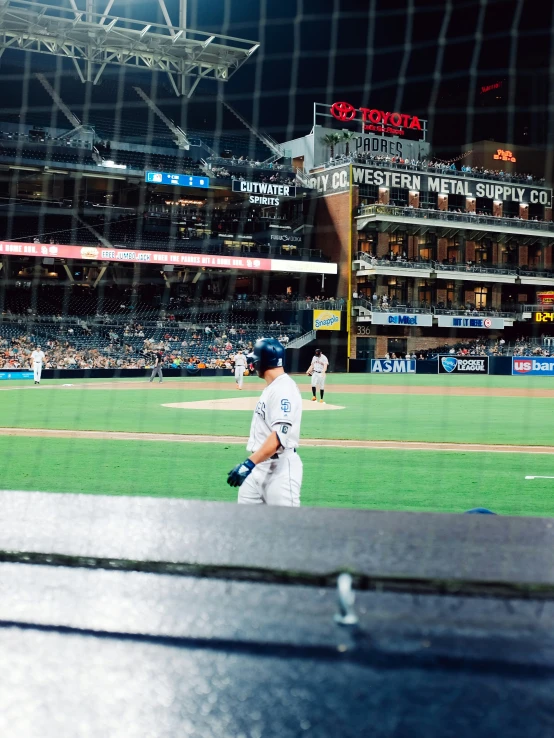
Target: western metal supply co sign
[(461, 365), (533, 366), (338, 180)]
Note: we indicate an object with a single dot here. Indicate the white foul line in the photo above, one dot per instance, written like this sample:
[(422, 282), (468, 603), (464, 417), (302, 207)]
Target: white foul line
[(539, 477)]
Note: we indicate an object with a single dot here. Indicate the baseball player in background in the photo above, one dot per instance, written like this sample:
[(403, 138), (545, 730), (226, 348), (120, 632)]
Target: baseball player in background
[(157, 370), (318, 370), (240, 366), (272, 474), (37, 360)]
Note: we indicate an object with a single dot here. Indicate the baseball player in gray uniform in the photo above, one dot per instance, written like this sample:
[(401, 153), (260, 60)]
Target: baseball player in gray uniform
[(272, 474), (318, 370), (240, 366)]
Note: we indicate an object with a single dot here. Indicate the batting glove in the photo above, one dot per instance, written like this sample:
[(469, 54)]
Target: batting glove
[(237, 475)]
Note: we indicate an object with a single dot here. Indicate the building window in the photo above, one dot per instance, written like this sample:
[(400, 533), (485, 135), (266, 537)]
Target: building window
[(425, 293), (481, 297)]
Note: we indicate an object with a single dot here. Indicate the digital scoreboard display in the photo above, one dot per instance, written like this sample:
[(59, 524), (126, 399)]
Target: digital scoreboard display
[(177, 180)]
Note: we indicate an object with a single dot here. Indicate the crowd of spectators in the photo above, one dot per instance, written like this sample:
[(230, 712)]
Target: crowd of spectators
[(483, 346), (436, 166), (136, 346)]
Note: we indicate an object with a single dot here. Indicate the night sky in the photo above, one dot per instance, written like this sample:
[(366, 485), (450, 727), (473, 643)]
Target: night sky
[(419, 57)]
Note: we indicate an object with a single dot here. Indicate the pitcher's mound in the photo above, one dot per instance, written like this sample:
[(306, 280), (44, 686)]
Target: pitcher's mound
[(242, 403)]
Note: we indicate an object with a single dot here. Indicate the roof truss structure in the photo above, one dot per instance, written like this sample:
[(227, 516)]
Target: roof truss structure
[(92, 40)]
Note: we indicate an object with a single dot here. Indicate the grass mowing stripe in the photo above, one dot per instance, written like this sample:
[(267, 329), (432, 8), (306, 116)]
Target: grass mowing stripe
[(354, 478), (488, 420)]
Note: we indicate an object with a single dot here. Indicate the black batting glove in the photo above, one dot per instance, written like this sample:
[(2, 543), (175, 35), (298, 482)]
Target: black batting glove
[(237, 475)]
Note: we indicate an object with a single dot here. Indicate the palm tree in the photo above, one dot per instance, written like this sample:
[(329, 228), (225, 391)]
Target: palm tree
[(331, 140), (346, 137)]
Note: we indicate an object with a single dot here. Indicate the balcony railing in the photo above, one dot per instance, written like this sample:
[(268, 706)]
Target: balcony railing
[(436, 266), (433, 309), (475, 220)]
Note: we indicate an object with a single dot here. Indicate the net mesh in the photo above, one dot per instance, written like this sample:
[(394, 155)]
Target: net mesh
[(73, 158)]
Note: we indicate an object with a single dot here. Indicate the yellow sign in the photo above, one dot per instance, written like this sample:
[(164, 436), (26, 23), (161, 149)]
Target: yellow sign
[(544, 317), (326, 320)]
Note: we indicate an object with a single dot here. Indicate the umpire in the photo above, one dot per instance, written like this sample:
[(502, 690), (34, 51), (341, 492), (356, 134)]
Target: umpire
[(158, 366)]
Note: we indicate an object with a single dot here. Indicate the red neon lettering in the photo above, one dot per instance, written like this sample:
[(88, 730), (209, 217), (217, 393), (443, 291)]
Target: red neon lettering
[(365, 112), (405, 120), (395, 119), (415, 123), (375, 116)]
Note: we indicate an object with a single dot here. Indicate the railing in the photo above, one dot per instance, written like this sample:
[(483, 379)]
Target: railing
[(537, 308), (431, 309), (402, 264), (438, 267), (446, 215), (474, 268), (437, 169), (302, 340)]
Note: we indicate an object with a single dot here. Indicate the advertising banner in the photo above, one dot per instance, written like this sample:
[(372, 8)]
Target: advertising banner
[(447, 321), (401, 319), (393, 366), (15, 374), (263, 188), (177, 180), (460, 365), (327, 320), (532, 366), (101, 253), (337, 180), (545, 298)]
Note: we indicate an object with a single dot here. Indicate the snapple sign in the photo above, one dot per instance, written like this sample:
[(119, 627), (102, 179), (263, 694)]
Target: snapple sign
[(371, 117)]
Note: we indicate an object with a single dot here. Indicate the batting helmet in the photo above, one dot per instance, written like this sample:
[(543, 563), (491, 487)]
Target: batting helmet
[(267, 353), (318, 352)]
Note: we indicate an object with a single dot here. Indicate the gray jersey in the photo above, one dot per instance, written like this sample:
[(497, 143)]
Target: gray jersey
[(279, 409)]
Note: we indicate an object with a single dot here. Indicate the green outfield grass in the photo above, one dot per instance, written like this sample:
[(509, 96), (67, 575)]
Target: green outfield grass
[(358, 478), (337, 477), (405, 417)]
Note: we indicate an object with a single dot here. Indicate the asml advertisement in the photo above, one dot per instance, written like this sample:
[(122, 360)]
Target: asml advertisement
[(533, 366), (393, 366)]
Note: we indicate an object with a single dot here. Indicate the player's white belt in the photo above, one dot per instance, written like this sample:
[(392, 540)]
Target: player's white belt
[(286, 450)]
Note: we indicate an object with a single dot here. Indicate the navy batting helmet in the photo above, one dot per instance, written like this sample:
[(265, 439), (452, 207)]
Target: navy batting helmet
[(267, 353)]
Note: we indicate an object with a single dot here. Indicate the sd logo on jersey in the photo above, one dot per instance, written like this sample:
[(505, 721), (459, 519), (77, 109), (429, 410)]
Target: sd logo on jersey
[(285, 406)]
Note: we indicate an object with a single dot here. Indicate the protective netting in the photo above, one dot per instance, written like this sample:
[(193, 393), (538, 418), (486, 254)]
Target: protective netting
[(112, 272)]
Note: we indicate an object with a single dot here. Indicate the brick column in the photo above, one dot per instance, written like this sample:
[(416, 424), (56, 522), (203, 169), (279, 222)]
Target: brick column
[(470, 251), (523, 255), (381, 346), (523, 211), (383, 246), (497, 209), (412, 247), (442, 202), (496, 253), (469, 295), (547, 256), (470, 204), (442, 249), (384, 195), (548, 213), (413, 199)]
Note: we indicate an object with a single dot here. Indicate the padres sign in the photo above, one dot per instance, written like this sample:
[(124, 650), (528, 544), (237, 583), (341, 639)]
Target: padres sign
[(326, 320)]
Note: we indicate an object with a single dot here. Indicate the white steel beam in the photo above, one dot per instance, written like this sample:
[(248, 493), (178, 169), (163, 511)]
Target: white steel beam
[(92, 38)]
